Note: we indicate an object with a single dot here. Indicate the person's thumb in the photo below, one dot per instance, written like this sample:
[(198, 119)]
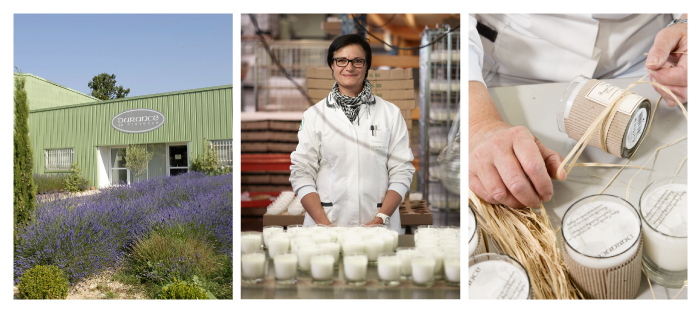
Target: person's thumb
[(665, 42), (552, 160)]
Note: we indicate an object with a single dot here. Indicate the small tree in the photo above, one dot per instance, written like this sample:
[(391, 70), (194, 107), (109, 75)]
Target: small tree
[(104, 87), (75, 182), (137, 158), (24, 187), (207, 162)]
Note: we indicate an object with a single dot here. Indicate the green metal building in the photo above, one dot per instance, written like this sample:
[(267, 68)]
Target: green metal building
[(67, 126)]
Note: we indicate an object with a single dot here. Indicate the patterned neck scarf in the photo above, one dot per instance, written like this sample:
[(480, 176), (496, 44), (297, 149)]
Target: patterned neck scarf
[(351, 105)]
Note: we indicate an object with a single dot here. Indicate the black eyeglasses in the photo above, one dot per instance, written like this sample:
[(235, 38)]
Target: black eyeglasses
[(343, 62)]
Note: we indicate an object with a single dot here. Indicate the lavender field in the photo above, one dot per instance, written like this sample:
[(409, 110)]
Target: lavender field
[(155, 230)]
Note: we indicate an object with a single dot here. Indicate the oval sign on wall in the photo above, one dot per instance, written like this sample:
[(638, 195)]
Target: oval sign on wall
[(138, 121)]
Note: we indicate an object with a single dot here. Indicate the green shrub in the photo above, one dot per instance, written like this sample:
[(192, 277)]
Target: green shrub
[(43, 282), (75, 182), (164, 255), (207, 162), (49, 183), (182, 290)]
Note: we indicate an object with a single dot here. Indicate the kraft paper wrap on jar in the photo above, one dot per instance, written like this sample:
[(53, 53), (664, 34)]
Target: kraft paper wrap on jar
[(624, 133), (594, 282)]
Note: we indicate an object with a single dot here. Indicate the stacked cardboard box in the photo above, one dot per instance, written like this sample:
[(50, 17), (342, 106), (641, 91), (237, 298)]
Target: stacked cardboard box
[(268, 132), (395, 86)]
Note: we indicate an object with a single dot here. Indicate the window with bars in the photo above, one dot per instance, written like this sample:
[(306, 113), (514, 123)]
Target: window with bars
[(224, 149), (58, 159)]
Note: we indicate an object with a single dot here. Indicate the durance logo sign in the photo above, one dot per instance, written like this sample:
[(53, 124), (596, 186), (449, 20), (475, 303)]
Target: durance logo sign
[(138, 121)]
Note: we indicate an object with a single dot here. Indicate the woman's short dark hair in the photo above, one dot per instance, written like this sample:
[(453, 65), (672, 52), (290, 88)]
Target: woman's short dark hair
[(348, 39)]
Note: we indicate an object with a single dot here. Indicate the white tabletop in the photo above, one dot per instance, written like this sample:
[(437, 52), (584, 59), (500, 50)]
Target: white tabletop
[(535, 107)]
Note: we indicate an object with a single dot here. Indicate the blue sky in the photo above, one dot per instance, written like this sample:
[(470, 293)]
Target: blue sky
[(148, 53)]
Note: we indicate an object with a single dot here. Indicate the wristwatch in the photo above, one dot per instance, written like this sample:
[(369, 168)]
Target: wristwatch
[(678, 21), (384, 217)]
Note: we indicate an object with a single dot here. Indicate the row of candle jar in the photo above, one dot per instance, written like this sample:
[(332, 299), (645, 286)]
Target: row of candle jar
[(406, 264), (428, 236)]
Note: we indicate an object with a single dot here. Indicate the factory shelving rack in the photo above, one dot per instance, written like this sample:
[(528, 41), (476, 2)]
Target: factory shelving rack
[(439, 104)]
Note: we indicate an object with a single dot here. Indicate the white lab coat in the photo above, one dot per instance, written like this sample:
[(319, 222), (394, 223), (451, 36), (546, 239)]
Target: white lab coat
[(350, 167), (533, 48)]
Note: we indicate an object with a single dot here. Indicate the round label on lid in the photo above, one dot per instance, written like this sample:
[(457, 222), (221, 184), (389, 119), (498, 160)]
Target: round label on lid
[(666, 209), (636, 128), (495, 279), (601, 228)]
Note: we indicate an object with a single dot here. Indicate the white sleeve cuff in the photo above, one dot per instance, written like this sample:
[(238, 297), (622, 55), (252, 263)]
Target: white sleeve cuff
[(306, 189), (399, 188)]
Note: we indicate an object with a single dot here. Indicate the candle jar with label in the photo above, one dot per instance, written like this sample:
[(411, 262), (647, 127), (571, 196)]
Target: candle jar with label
[(585, 99), (664, 209), (253, 267), (494, 276), (251, 241), (602, 247)]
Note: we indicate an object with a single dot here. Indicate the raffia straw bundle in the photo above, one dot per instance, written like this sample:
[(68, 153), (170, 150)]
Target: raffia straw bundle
[(529, 238)]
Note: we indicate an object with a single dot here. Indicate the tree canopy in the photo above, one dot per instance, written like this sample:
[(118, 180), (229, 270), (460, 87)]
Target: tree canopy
[(104, 87)]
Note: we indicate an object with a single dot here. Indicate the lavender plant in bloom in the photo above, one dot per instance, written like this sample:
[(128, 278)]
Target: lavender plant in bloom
[(83, 236)]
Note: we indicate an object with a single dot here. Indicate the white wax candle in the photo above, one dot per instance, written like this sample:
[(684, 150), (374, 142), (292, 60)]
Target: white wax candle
[(355, 267), (388, 242), (251, 242), (396, 239), (422, 269), (496, 279), (389, 268), (373, 247), (471, 230), (268, 231), (253, 265), (351, 246), (405, 256), (305, 253), (452, 269), (605, 230), (322, 267), (286, 266), (332, 249), (665, 210), (321, 238), (278, 245)]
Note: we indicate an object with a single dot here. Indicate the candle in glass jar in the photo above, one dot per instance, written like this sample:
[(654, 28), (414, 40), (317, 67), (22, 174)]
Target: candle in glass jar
[(423, 269), (322, 267), (353, 246), (251, 241), (373, 247), (253, 266), (355, 267), (472, 231), (452, 268), (389, 267), (665, 211), (286, 268), (601, 233), (268, 231), (405, 255), (497, 279), (332, 249), (278, 243)]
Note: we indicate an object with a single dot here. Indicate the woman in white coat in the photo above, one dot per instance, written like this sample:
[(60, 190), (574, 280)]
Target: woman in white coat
[(352, 165)]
